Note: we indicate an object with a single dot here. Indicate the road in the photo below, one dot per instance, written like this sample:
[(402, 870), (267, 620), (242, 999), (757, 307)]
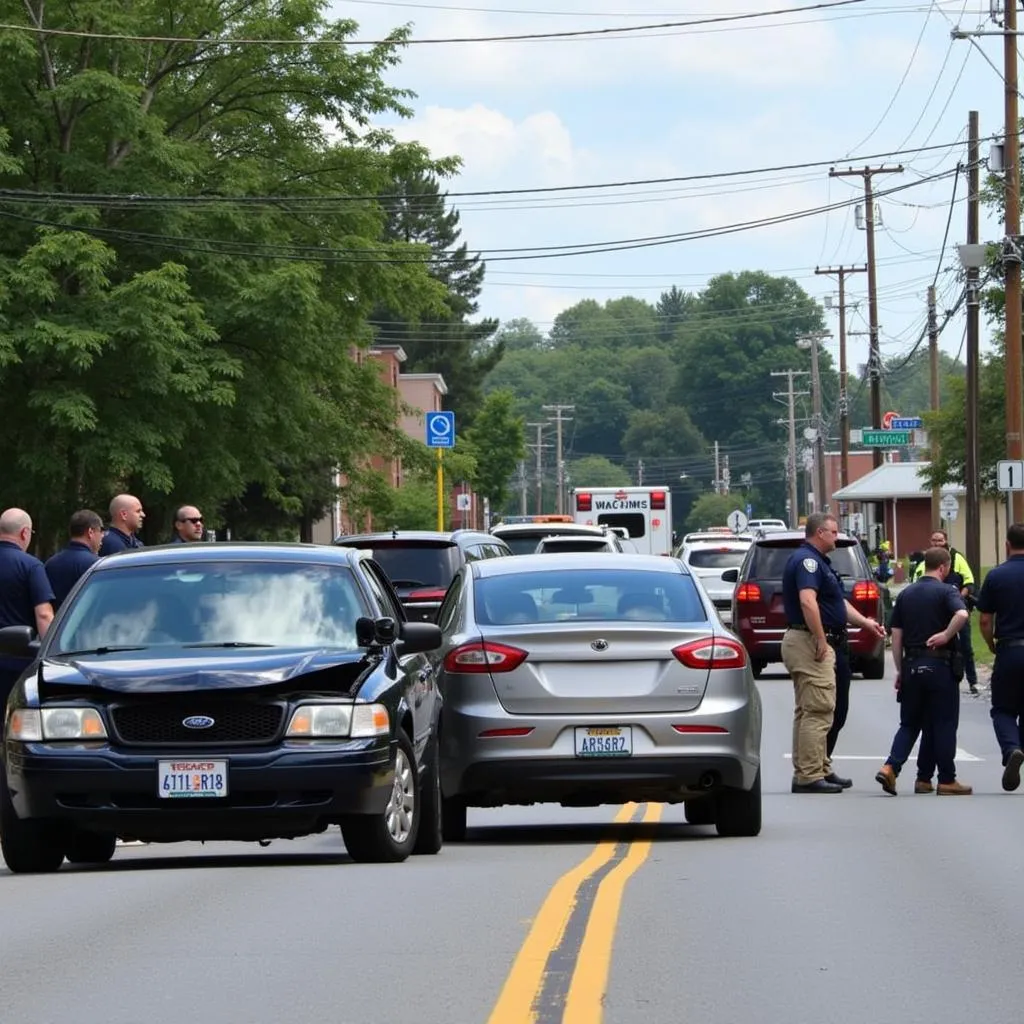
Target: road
[(848, 909)]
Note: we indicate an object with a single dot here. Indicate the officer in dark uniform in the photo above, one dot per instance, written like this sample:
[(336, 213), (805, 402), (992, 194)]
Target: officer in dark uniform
[(64, 568), (814, 651), (926, 620), (1001, 603), (126, 517)]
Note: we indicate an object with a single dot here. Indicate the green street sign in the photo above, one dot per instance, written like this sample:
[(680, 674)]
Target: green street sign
[(885, 437)]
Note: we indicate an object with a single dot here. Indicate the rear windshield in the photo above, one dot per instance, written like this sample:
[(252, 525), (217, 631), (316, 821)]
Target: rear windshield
[(606, 595), (768, 562), (574, 544), (716, 558), (634, 522), (525, 543), (409, 564)]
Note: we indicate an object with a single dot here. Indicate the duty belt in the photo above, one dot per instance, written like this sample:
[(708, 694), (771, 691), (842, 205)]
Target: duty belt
[(834, 634), (1011, 642), (939, 654)]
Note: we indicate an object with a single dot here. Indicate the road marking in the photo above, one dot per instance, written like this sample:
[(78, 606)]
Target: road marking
[(961, 755), (585, 1001), (538, 955)]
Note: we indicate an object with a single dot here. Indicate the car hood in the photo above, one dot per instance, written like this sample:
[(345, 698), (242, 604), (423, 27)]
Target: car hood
[(197, 670)]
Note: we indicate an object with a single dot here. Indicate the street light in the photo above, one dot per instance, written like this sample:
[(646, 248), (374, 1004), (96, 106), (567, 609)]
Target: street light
[(973, 256)]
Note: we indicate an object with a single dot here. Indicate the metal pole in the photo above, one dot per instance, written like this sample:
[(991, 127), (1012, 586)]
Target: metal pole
[(972, 487), (819, 430), (440, 488), (933, 375), (874, 353), (794, 516)]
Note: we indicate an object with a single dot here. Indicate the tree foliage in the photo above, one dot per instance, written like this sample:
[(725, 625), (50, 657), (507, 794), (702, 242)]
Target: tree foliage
[(497, 442), (710, 510)]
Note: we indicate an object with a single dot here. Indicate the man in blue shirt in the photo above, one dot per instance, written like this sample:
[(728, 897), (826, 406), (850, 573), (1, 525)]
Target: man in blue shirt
[(813, 650), (126, 518), (65, 567), (1001, 603), (25, 593), (188, 525)]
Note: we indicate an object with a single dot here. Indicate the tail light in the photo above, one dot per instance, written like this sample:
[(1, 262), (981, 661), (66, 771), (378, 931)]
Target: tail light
[(583, 502), (700, 730), (711, 652), (484, 656), (748, 592), (426, 595), (657, 499), (513, 731), (865, 590)]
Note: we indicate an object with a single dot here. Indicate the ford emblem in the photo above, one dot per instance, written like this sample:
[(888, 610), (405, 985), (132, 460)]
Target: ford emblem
[(197, 722), (600, 645)]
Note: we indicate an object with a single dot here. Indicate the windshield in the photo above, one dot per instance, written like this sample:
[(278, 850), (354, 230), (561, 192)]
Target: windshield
[(410, 565), (615, 595), (716, 558), (211, 603), (525, 543), (770, 561)]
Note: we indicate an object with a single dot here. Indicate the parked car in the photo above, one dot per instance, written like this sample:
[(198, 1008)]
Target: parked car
[(524, 537), (421, 563), (707, 559), (759, 618), (766, 525), (559, 545), (583, 680), (222, 692)]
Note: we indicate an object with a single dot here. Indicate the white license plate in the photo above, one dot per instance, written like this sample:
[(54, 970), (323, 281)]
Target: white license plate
[(192, 778), (604, 741)]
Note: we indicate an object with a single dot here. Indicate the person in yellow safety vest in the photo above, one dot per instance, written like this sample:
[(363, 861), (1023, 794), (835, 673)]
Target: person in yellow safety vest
[(961, 577)]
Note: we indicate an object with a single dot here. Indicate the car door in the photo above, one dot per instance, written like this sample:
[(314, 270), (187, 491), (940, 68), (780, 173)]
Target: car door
[(419, 678)]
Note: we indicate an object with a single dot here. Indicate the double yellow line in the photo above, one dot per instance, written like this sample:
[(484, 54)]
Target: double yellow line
[(527, 982)]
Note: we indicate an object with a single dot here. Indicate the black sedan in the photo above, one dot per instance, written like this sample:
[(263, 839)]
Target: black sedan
[(222, 692)]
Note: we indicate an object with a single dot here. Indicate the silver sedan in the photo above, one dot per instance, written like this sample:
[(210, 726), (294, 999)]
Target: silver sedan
[(580, 680)]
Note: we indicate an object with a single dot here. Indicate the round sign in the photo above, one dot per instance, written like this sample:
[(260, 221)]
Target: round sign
[(736, 521), (888, 418), (440, 426)]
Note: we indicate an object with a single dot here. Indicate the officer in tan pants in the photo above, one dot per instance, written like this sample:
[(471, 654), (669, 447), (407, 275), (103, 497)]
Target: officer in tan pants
[(816, 612)]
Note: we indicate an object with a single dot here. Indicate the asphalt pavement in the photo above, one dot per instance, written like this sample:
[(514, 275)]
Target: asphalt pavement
[(847, 909)]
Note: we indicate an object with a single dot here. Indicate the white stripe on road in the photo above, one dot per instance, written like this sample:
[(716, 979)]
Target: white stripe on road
[(961, 755)]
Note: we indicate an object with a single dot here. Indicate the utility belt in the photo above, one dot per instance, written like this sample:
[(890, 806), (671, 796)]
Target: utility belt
[(1014, 642), (947, 656), (836, 636)]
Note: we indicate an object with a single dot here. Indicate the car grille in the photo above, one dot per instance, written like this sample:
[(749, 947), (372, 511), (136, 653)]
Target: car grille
[(162, 724)]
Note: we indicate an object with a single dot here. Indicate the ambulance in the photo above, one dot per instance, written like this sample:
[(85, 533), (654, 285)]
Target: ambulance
[(645, 513)]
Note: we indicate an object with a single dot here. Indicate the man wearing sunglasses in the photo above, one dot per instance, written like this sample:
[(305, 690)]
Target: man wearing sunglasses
[(188, 525)]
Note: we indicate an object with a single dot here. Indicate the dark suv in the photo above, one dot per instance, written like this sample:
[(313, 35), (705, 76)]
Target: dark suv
[(760, 619), (421, 563)]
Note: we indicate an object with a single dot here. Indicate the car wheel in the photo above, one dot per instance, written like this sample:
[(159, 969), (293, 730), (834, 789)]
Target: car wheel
[(874, 668), (700, 812), (453, 811), (29, 846), (738, 811), (91, 847), (389, 837), (430, 838), (757, 667)]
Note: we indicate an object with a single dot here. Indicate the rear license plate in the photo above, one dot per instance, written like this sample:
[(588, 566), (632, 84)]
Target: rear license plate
[(604, 741), (192, 778)]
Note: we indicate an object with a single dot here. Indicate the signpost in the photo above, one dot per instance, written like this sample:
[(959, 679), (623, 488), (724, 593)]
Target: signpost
[(736, 521), (1010, 474), (949, 507), (440, 435), (885, 438)]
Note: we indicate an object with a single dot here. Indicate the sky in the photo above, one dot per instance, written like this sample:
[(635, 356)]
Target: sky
[(821, 85)]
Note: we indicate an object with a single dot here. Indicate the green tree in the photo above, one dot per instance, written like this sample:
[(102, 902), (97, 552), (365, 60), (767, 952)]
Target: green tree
[(710, 510), (674, 308), (497, 442), (657, 435), (520, 334), (597, 471)]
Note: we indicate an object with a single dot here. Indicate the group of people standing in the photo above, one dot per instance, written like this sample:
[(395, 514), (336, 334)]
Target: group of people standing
[(932, 652), (31, 591)]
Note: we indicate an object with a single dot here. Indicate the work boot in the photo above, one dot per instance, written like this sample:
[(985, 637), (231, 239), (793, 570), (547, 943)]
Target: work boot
[(923, 786), (818, 786), (953, 788), (838, 780), (1011, 773), (886, 778)]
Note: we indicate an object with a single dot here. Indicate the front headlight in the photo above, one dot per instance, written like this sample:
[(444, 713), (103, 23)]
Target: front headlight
[(73, 724), (25, 725), (331, 721)]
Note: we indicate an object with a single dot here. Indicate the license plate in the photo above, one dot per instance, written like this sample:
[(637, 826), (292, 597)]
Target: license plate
[(192, 778), (604, 741)]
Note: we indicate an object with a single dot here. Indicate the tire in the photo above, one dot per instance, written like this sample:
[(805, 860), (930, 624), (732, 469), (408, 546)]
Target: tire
[(738, 811), (874, 668), (757, 667), (700, 812), (29, 846), (91, 847), (430, 837), (453, 811), (389, 837)]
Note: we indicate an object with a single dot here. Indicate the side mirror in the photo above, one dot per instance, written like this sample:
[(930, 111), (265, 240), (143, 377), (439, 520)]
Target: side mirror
[(420, 636), (731, 576), (18, 640), (375, 632)]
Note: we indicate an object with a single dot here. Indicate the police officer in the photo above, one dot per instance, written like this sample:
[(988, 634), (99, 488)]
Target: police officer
[(188, 525), (926, 620), (64, 568), (814, 653), (25, 594), (1002, 600), (961, 577), (126, 517)]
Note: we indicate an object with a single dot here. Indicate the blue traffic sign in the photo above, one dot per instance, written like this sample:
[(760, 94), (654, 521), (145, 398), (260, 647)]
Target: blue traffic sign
[(440, 429), (750, 510), (907, 423)]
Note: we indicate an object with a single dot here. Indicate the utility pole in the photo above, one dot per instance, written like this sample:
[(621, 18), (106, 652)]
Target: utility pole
[(933, 368), (1012, 256), (874, 352), (811, 341), (718, 474), (558, 410), (971, 485), (639, 472), (539, 480), (791, 476), (522, 487), (842, 273)]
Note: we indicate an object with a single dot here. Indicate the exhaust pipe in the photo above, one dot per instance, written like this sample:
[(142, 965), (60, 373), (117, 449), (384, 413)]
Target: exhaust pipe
[(708, 780)]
